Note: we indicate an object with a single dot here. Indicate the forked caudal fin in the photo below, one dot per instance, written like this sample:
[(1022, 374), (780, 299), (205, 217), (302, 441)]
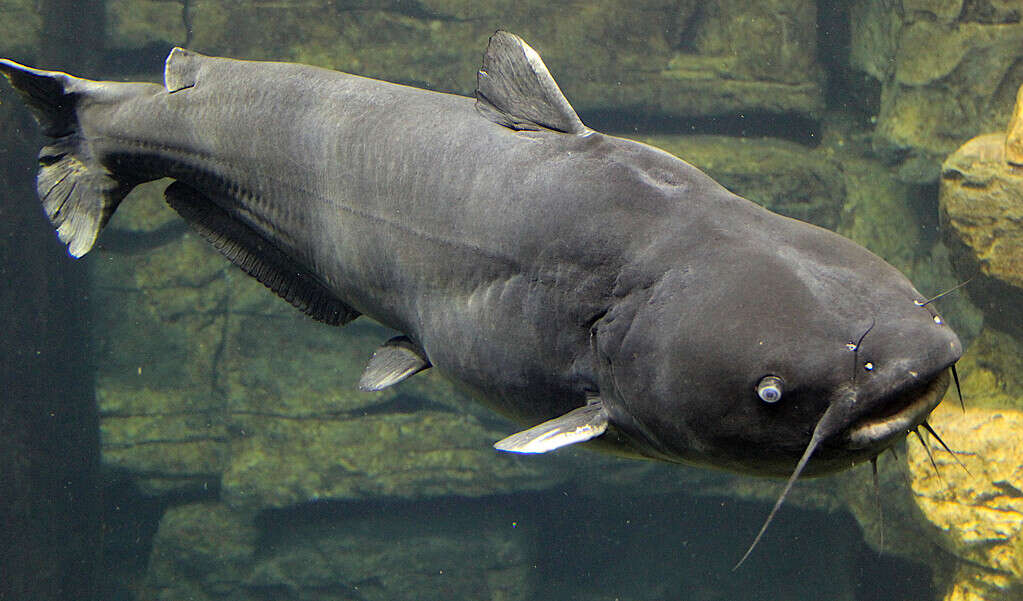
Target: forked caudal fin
[(78, 193)]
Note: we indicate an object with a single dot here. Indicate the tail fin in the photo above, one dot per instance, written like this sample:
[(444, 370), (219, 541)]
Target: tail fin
[(79, 194)]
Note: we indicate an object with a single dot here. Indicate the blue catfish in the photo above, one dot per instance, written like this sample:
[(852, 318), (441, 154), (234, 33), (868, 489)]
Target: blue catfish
[(590, 287)]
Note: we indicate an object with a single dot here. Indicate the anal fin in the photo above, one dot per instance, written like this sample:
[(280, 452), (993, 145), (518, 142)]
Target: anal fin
[(578, 425), (396, 360), (257, 256)]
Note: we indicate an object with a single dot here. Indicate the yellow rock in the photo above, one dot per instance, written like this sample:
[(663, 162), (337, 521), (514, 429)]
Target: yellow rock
[(1014, 138), (978, 515), (981, 204)]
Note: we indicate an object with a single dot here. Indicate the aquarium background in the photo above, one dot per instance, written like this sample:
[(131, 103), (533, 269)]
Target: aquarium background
[(169, 430)]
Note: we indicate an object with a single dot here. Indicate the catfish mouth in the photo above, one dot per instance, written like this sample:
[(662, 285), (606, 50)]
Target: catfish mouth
[(900, 415)]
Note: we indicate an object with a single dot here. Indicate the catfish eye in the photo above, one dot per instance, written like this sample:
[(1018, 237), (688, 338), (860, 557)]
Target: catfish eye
[(769, 389)]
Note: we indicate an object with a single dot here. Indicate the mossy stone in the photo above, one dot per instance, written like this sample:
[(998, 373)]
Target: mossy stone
[(658, 56), (948, 71)]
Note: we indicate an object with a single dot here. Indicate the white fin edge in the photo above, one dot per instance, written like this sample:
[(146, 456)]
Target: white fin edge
[(396, 360), (578, 425)]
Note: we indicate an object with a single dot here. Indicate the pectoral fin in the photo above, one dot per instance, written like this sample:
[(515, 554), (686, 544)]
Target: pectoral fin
[(578, 425), (393, 362)]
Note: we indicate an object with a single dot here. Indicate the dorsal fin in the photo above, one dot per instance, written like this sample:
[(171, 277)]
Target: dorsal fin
[(181, 69), (515, 89)]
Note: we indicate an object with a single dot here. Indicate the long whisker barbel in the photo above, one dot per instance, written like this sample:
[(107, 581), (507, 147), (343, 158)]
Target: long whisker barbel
[(930, 455), (931, 431), (947, 292), (877, 499), (959, 390)]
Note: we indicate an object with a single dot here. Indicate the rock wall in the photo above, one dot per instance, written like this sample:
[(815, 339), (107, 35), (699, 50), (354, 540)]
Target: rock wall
[(661, 56), (948, 70), (974, 500), (982, 208)]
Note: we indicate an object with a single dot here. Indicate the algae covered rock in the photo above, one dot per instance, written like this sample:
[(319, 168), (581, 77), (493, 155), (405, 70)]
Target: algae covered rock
[(201, 551), (654, 56), (19, 27), (1014, 135), (981, 207), (445, 550), (992, 371), (948, 70), (977, 515)]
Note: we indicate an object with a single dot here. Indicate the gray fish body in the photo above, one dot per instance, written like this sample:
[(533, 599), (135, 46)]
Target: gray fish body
[(412, 208), (540, 264)]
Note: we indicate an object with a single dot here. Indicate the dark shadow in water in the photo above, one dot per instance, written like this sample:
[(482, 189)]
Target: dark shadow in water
[(671, 547), (656, 548), (130, 522), (49, 425)]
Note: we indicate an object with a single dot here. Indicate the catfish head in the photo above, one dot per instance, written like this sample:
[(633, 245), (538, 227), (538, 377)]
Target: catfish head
[(768, 341), (745, 340), (741, 339), (731, 336), (771, 347)]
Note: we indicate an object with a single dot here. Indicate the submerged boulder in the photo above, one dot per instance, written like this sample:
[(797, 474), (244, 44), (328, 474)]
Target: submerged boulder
[(947, 70), (661, 57), (448, 550), (977, 515), (981, 204), (1014, 137)]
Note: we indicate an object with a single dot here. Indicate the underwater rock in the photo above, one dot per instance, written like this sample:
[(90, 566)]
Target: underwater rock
[(992, 371), (447, 550), (948, 70), (1014, 135), (20, 28), (981, 203), (977, 516), (661, 57), (201, 551)]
